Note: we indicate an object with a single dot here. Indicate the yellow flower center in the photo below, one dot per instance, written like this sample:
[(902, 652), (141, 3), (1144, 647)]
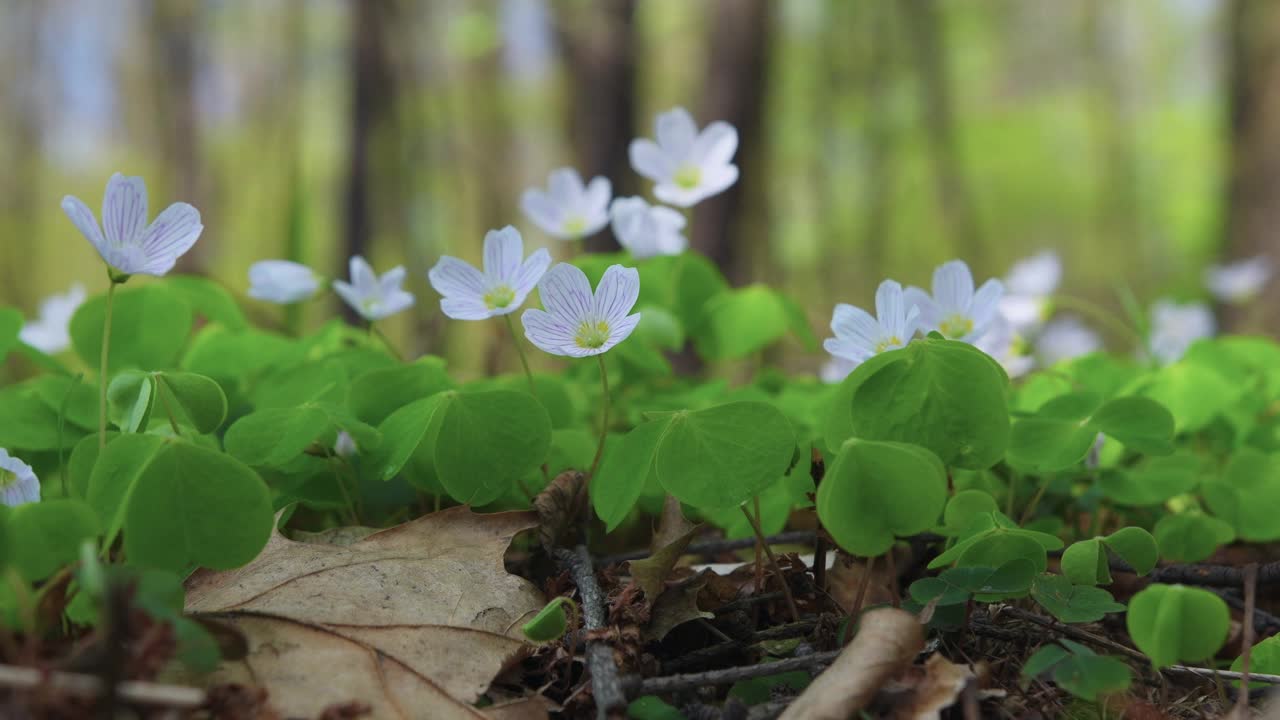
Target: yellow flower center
[(956, 326), (592, 335), (889, 343), (499, 297), (688, 177), (7, 478), (574, 226)]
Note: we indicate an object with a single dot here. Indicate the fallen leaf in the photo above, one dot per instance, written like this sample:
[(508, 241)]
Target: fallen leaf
[(676, 606), (937, 690), (672, 525), (560, 506), (650, 574), (887, 641), (415, 620)]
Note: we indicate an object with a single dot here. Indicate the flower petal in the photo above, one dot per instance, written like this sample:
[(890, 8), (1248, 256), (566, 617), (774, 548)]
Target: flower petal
[(391, 280), (676, 132), (847, 350), (82, 217), (855, 326), (546, 331), (529, 274), (351, 296), (986, 302), (616, 294), (566, 187), (452, 277), (649, 160), (542, 210), (619, 331), (169, 237), (673, 194), (891, 309), (716, 144), (465, 308), (124, 209), (566, 292), (953, 287), (503, 253), (397, 302)]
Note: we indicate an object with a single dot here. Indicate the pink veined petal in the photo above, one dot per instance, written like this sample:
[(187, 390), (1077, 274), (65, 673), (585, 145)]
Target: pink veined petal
[(676, 132), (620, 330), (546, 332), (855, 326), (464, 308), (529, 274), (716, 144), (542, 210), (82, 217), (617, 293), (566, 187), (503, 254), (124, 209), (566, 292), (362, 276), (649, 160), (170, 236), (953, 286), (452, 277)]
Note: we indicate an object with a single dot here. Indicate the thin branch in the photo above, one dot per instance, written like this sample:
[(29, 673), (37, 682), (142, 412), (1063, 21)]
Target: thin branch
[(131, 692), (716, 547), (635, 686), (605, 685)]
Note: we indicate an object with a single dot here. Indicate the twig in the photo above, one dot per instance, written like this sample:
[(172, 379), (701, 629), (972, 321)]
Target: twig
[(605, 686), (711, 653), (1222, 674), (1214, 575), (1250, 600), (817, 471), (745, 603), (1262, 620), (635, 686), (133, 692), (773, 562), (716, 547)]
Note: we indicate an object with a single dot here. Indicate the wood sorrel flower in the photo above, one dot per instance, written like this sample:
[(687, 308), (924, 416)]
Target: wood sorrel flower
[(18, 482), (507, 280), (858, 336), (125, 241), (1027, 289), (1240, 281), (1174, 327), (282, 282), (647, 230), (578, 323), (50, 332), (568, 210), (687, 165), (1065, 338), (374, 297), (954, 309)]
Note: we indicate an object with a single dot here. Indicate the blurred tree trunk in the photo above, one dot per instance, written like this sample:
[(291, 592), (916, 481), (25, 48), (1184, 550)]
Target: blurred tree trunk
[(174, 26), (20, 154), (928, 41), (599, 47), (1253, 179), (735, 93), (372, 93), (879, 139)]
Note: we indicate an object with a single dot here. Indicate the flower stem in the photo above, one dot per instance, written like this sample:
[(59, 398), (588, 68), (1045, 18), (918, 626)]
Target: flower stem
[(376, 331), (604, 420), (102, 375), (773, 562), (524, 359), (1102, 316)]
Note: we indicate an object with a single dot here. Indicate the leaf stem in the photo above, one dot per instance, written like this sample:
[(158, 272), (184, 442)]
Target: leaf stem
[(773, 562), (376, 331), (604, 419), (102, 374)]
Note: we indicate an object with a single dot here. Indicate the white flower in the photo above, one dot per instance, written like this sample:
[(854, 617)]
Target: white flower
[(374, 297), (1028, 287), (18, 482), (50, 332), (576, 322), (647, 230), (688, 166), (507, 280), (835, 370), (568, 210), (858, 336), (1174, 327), (125, 241), (1065, 338), (1240, 281), (282, 281), (1003, 345), (954, 309), (344, 445)]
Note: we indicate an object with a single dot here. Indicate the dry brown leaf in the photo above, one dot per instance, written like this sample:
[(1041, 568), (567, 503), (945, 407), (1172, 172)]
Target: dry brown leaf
[(887, 641), (937, 690), (650, 574), (560, 506), (415, 620), (672, 525), (676, 606)]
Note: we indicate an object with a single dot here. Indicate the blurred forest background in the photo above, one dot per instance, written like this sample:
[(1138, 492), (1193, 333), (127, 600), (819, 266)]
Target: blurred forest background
[(1139, 138)]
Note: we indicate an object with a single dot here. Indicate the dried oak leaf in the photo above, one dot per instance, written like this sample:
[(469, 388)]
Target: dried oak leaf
[(415, 620)]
